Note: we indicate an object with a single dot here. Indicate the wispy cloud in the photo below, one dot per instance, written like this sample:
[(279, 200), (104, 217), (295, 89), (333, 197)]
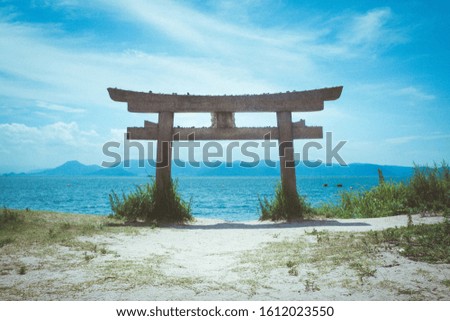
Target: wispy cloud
[(371, 29), (408, 139), (57, 107), (216, 36), (415, 93), (409, 94)]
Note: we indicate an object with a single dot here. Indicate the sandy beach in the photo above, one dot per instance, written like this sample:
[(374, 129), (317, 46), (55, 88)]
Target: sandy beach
[(218, 260)]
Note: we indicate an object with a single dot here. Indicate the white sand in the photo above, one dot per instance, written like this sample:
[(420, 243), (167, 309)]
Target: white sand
[(207, 261)]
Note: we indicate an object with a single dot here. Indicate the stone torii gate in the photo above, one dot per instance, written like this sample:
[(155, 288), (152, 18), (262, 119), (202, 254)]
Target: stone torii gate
[(223, 127)]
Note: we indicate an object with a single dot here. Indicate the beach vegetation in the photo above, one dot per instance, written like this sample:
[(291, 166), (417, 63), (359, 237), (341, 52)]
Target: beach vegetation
[(446, 282), (10, 216), (25, 229), (310, 283), (428, 190), (150, 205), (283, 207), (22, 270), (425, 242)]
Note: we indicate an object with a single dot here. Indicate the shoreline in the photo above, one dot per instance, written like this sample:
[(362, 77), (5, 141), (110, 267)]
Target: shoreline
[(377, 222)]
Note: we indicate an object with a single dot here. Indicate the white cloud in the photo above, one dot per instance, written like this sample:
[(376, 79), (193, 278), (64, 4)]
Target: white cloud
[(412, 138), (57, 107), (372, 30), (368, 28), (415, 93), (27, 147), (409, 95), (68, 134)]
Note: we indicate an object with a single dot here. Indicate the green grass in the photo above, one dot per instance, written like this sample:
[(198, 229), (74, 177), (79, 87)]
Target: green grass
[(446, 283), (151, 205), (425, 243), (24, 229), (383, 200), (428, 190), (283, 207)]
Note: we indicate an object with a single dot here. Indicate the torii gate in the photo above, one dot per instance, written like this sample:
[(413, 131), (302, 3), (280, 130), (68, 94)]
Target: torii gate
[(223, 127)]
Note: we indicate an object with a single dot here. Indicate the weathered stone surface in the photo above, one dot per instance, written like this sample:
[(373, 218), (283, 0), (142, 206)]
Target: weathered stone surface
[(222, 120), (299, 131), (286, 152), (164, 151), (309, 100)]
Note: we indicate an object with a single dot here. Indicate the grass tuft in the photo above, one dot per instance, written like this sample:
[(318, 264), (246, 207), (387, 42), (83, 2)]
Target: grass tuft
[(283, 207), (22, 270), (152, 206)]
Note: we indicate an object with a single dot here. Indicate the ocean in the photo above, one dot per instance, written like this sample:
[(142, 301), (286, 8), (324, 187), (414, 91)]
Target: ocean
[(227, 198)]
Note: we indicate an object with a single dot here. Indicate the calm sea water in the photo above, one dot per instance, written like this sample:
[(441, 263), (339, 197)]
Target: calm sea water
[(228, 198)]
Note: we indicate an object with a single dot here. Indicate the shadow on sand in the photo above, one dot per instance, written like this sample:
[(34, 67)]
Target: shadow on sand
[(253, 225), (262, 225)]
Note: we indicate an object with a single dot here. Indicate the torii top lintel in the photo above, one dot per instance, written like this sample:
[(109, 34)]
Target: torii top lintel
[(296, 101)]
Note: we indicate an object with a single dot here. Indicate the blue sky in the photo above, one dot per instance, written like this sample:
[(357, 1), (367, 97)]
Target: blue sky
[(58, 57)]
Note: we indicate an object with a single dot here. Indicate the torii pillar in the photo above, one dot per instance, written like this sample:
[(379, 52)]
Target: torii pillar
[(164, 151), (286, 152)]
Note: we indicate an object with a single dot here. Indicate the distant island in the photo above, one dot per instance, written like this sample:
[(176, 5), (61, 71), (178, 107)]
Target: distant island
[(133, 168)]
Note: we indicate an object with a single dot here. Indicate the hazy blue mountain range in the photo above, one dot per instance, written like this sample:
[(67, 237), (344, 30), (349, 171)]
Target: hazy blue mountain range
[(143, 168)]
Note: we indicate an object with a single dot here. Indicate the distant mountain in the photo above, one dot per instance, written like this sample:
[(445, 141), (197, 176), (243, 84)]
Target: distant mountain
[(75, 168), (70, 168), (237, 168)]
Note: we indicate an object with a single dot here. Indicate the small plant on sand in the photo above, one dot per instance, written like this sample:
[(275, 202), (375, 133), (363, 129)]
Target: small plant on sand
[(88, 257), (363, 271), (283, 207), (151, 205), (446, 283), (310, 283), (293, 271), (22, 270)]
